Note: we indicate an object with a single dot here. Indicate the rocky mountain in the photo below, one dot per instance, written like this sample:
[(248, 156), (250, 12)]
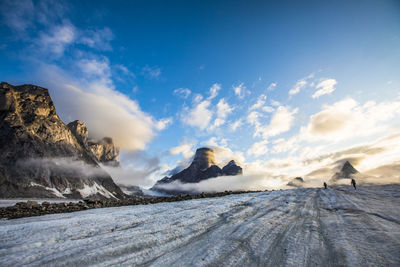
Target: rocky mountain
[(296, 182), (41, 156), (347, 171), (131, 190), (202, 167)]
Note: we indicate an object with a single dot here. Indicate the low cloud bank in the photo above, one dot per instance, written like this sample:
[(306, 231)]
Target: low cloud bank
[(230, 183), (67, 166)]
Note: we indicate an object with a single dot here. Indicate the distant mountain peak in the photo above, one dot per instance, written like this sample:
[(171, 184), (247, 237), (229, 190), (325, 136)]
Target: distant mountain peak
[(347, 171), (202, 167), (204, 158)]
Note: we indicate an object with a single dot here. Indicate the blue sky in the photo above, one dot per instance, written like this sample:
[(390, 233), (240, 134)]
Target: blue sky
[(283, 87)]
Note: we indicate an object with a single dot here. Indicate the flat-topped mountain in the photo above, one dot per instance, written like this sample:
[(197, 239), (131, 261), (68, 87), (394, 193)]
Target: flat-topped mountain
[(202, 168), (39, 153)]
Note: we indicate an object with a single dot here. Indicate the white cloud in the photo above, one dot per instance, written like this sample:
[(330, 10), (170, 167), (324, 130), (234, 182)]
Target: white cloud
[(253, 117), (182, 92), (272, 86), (296, 88), (236, 124), (223, 110), (325, 87), (214, 90), (97, 38), (347, 119), (240, 90), (95, 67), (185, 148), (163, 123), (260, 102), (281, 122), (197, 98), (275, 103), (258, 148), (200, 116), (57, 39), (105, 111), (281, 145), (268, 109)]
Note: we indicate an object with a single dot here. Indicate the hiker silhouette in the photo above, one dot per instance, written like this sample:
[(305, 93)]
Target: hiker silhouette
[(325, 185), (353, 183)]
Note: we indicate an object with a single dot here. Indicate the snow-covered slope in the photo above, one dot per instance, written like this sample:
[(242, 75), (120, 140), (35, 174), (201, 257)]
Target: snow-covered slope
[(300, 227)]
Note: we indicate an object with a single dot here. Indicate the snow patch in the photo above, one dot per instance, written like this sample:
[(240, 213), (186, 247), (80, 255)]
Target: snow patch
[(88, 190), (51, 189)]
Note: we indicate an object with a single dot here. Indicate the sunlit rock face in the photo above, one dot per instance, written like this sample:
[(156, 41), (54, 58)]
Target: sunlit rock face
[(80, 131), (105, 151), (40, 155), (203, 159), (202, 168)]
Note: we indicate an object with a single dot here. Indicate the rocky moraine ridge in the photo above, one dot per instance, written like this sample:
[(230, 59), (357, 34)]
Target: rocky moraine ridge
[(37, 150), (203, 167)]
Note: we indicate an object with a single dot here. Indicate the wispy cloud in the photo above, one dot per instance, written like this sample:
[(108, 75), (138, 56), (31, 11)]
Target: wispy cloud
[(325, 87), (214, 90), (182, 92), (240, 90), (151, 72)]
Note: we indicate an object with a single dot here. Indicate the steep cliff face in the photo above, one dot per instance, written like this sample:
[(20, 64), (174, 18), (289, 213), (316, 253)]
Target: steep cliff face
[(105, 151), (80, 131), (38, 150), (202, 167)]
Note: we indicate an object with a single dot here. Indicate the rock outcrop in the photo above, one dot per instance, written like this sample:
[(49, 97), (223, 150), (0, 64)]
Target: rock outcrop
[(346, 172), (202, 167), (105, 151), (80, 131), (38, 151), (232, 169), (131, 190)]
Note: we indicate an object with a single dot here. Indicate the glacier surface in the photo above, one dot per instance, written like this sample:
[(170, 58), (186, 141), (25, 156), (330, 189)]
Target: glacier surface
[(301, 227)]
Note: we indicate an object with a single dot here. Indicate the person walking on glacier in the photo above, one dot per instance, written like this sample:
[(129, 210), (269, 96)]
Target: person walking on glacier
[(325, 185), (353, 183)]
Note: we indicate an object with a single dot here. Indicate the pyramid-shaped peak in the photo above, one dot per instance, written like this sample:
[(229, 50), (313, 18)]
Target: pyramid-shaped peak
[(348, 167), (347, 170)]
